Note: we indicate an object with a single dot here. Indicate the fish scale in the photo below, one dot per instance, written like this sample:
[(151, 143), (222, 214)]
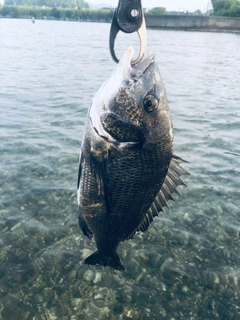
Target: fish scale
[(133, 186)]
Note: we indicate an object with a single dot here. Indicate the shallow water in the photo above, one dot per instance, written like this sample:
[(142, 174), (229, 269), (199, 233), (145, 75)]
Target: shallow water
[(186, 266)]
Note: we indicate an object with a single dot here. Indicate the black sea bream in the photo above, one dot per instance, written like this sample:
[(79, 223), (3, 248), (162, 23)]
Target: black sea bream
[(127, 170)]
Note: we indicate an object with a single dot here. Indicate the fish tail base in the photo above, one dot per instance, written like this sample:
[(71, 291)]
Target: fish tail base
[(110, 260)]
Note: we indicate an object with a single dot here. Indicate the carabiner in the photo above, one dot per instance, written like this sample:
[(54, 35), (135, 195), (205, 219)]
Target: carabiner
[(128, 17)]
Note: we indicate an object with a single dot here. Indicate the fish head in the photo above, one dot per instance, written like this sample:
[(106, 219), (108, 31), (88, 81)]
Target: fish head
[(132, 104)]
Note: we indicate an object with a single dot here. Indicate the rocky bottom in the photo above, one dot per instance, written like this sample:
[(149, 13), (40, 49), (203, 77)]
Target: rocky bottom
[(186, 266)]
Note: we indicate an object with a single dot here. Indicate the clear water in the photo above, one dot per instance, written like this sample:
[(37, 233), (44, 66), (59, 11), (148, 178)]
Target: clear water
[(187, 265)]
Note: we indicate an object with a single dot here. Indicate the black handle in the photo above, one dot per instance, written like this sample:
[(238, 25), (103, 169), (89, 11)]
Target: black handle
[(129, 15)]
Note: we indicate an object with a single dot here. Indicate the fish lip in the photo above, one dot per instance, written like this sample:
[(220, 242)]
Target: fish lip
[(133, 73), (143, 65)]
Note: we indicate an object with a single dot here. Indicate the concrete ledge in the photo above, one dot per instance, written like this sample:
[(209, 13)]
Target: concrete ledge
[(201, 23)]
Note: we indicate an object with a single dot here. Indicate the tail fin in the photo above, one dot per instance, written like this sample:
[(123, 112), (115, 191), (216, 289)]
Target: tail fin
[(111, 260)]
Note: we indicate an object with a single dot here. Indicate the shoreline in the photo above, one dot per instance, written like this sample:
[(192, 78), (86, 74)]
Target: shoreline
[(165, 22), (194, 23)]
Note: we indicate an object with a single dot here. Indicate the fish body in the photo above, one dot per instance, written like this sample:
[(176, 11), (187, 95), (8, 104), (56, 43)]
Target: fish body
[(127, 170)]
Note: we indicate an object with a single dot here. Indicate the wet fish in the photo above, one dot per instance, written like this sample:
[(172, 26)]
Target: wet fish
[(127, 169)]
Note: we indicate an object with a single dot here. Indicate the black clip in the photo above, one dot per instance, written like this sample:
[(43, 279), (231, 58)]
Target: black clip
[(128, 18)]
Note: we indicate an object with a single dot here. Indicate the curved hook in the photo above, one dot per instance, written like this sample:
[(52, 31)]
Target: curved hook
[(142, 37)]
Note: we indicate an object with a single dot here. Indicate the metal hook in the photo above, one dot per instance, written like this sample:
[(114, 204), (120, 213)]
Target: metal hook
[(128, 17)]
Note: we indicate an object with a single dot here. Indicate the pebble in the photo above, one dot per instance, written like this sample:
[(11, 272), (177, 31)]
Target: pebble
[(86, 253), (143, 255), (97, 278), (16, 226), (88, 275), (76, 302)]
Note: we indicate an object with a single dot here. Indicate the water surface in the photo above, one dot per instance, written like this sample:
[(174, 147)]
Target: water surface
[(186, 266)]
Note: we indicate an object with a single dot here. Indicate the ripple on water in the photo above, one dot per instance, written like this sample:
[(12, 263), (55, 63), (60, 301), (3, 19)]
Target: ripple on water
[(186, 266)]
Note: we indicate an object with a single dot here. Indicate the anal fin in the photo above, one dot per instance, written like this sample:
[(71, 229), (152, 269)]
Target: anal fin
[(100, 170)]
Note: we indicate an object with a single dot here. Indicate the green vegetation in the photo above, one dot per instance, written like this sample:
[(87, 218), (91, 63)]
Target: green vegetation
[(198, 13), (229, 8), (158, 11), (56, 13), (81, 4), (78, 10)]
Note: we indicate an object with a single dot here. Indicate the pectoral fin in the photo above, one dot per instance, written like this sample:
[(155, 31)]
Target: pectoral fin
[(100, 170)]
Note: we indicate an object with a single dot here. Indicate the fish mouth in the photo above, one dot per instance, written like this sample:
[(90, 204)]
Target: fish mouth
[(133, 73)]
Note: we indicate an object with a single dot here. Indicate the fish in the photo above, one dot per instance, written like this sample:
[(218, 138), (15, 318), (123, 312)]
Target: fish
[(127, 169)]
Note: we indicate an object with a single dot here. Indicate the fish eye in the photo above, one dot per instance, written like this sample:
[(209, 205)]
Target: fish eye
[(150, 103)]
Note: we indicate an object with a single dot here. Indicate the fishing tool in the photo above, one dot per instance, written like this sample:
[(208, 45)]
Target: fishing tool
[(128, 17)]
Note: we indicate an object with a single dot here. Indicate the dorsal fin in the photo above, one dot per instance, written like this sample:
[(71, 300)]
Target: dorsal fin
[(169, 186)]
